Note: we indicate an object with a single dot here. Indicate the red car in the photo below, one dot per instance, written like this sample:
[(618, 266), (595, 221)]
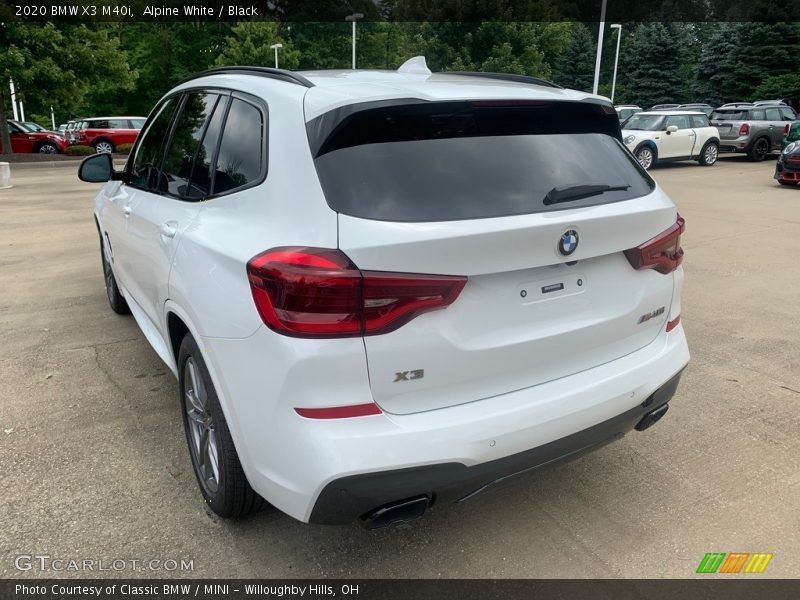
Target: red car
[(104, 134), (24, 141)]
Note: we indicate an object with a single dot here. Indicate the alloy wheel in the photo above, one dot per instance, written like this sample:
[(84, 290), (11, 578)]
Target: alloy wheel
[(645, 158), (711, 154), (201, 427), (47, 149), (103, 147)]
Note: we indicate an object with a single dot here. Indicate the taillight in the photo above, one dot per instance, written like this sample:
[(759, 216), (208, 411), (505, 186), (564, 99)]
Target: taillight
[(317, 292), (786, 129), (744, 129), (662, 253)]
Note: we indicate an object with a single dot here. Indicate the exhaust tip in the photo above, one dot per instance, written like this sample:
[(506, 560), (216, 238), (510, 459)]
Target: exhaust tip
[(653, 417), (394, 514)]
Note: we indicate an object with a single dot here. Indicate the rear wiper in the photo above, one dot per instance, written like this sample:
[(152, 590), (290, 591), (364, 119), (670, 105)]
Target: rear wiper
[(575, 192)]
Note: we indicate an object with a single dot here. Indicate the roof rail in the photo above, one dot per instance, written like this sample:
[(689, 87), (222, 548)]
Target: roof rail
[(505, 77), (279, 74)]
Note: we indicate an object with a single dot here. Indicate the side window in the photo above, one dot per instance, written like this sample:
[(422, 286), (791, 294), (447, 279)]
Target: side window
[(787, 113), (136, 123), (146, 162), (241, 159), (773, 114), (95, 125), (699, 121), (757, 114), (118, 123), (179, 157), (200, 181), (682, 121)]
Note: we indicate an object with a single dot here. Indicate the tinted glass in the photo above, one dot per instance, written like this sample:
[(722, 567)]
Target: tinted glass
[(179, 157), (136, 123), (470, 163), (758, 114), (787, 114), (118, 123), (241, 153), (773, 114), (147, 161), (729, 115), (682, 121), (100, 124), (200, 183), (699, 121)]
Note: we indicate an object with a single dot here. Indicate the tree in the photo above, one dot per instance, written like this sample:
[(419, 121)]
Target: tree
[(250, 44), (652, 67), (575, 67), (59, 66), (714, 69)]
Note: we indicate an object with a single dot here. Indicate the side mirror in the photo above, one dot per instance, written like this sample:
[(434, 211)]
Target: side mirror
[(98, 168), (672, 129)]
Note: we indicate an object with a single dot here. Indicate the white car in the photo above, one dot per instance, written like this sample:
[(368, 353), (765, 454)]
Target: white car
[(384, 290), (671, 135)]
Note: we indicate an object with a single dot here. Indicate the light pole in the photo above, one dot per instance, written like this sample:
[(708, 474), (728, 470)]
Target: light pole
[(599, 47), (275, 47), (13, 99), (353, 18), (618, 27)]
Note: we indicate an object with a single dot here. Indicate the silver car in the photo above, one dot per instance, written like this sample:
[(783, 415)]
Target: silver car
[(755, 130)]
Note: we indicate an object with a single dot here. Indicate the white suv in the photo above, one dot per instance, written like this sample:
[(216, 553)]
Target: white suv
[(381, 290), (662, 136)]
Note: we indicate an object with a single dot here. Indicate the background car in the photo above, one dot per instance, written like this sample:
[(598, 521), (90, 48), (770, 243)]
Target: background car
[(25, 141), (787, 169), (31, 126), (104, 134), (656, 136), (706, 109), (664, 106), (625, 111), (793, 135), (752, 130)]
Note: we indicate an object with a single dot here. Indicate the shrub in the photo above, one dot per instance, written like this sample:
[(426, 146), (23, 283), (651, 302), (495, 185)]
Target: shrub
[(80, 150), (124, 148)]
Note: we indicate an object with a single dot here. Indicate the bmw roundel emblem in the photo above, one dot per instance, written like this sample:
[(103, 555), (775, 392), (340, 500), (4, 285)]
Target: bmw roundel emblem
[(568, 242)]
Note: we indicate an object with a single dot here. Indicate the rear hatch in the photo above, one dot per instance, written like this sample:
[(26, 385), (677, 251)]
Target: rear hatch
[(728, 122), (534, 202)]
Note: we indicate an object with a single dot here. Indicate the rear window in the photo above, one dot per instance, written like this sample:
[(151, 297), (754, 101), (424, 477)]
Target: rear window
[(443, 161), (729, 115)]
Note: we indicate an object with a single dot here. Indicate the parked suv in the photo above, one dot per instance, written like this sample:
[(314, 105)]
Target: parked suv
[(752, 130), (661, 136), (104, 134), (381, 290), (23, 140)]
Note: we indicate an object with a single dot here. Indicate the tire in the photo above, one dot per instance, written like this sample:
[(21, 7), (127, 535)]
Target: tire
[(115, 297), (104, 146), (709, 154), (214, 459), (759, 150), (47, 148), (646, 156)]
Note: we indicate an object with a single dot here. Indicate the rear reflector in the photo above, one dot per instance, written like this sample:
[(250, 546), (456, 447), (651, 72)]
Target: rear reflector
[(318, 292), (662, 253), (339, 412), (673, 324)]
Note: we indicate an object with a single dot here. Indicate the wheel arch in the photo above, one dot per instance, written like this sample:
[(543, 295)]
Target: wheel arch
[(650, 143)]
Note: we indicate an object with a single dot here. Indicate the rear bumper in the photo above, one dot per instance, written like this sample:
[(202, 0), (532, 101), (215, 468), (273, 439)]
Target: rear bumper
[(346, 499), (741, 144)]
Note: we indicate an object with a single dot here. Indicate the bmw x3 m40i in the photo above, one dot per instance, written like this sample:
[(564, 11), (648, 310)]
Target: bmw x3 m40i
[(384, 290)]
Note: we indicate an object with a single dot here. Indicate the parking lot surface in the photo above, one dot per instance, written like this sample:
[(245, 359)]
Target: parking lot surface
[(93, 461)]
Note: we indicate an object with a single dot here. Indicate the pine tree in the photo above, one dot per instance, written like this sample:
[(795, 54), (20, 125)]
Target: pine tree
[(652, 66), (575, 67), (714, 66)]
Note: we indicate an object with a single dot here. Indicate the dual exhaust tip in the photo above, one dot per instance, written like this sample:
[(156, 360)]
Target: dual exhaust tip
[(414, 508)]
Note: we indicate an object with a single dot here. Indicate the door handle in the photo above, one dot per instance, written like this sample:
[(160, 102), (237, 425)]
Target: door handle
[(169, 229), (127, 210)]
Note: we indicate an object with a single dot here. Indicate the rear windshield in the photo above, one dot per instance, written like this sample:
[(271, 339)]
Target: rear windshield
[(729, 115), (438, 161)]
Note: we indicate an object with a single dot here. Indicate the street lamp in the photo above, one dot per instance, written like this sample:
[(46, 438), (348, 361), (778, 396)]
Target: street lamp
[(353, 18), (618, 27), (599, 46), (275, 47)]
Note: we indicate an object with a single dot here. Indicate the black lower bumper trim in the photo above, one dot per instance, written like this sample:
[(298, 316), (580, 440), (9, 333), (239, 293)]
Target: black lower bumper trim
[(346, 499)]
